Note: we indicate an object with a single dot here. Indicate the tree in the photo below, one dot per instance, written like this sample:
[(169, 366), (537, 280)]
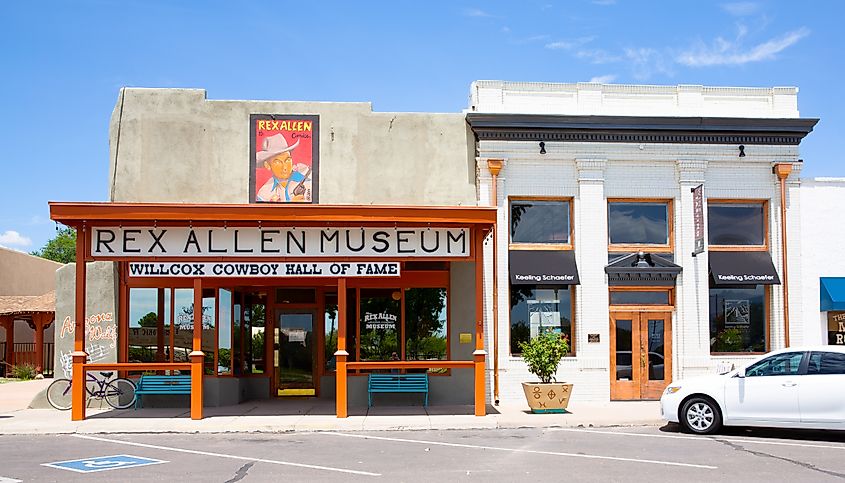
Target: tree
[(61, 248), (149, 320)]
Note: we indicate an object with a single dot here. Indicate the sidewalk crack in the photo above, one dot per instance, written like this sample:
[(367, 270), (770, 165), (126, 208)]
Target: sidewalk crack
[(241, 473)]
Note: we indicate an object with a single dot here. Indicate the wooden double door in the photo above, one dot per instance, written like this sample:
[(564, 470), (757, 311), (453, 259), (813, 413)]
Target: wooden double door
[(640, 354)]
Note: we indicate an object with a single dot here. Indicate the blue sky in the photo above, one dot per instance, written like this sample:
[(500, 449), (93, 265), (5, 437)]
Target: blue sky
[(64, 62)]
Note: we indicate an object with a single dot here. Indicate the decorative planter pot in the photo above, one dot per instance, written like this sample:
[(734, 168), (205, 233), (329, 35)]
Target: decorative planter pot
[(547, 398)]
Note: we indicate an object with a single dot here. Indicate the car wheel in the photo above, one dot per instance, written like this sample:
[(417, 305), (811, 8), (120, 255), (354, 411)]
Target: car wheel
[(701, 416)]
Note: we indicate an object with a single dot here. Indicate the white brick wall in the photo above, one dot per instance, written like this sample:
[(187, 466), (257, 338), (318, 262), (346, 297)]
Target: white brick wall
[(592, 172)]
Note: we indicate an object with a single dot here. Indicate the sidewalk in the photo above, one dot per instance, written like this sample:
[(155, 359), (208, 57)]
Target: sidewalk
[(316, 415)]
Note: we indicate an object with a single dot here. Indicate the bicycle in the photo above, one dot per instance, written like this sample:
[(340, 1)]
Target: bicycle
[(118, 393)]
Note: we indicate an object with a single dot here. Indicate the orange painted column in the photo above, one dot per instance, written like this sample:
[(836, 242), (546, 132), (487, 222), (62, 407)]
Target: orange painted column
[(79, 356), (38, 322), (480, 354), (197, 356), (340, 356), (8, 324)]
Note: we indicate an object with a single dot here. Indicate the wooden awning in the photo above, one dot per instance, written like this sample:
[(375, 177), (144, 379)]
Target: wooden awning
[(99, 213), (28, 304)]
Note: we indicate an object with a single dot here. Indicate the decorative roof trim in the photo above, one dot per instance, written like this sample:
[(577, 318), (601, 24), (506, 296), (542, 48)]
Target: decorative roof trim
[(639, 129)]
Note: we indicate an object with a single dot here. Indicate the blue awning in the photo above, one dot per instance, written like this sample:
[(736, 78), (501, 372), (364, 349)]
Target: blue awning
[(832, 293)]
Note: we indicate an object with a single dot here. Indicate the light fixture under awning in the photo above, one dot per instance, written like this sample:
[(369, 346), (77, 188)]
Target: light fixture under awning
[(543, 267), (742, 268)]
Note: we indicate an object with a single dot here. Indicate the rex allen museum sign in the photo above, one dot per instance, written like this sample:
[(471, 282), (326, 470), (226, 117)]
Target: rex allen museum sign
[(311, 242)]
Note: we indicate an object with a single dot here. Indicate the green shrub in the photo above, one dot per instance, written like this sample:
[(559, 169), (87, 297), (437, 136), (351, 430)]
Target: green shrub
[(24, 372), (543, 353)]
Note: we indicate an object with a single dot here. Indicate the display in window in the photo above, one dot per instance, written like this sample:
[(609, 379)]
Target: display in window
[(737, 312)]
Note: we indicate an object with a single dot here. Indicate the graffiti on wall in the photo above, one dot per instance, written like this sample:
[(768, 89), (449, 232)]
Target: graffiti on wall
[(100, 339)]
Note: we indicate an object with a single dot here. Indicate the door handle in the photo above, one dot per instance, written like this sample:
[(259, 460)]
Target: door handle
[(789, 384)]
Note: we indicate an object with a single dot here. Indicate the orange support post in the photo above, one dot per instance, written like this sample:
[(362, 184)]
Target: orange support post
[(197, 356), (38, 322), (9, 324), (341, 408), (480, 354), (79, 356)]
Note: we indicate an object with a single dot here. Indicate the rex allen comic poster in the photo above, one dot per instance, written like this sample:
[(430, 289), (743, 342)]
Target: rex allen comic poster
[(284, 151)]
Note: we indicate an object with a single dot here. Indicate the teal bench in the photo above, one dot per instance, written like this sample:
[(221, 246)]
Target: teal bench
[(397, 383), (161, 385)]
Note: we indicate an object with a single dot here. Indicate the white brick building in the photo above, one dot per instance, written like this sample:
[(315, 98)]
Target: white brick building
[(616, 165)]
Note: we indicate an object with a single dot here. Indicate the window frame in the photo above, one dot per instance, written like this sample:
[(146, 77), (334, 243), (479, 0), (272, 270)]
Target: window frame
[(572, 310), (741, 248), (668, 247), (570, 245), (642, 307)]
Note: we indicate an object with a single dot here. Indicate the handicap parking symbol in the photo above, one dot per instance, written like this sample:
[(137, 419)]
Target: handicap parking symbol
[(104, 463)]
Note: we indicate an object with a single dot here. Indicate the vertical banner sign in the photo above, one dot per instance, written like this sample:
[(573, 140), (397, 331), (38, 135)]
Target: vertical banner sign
[(698, 218), (284, 158)]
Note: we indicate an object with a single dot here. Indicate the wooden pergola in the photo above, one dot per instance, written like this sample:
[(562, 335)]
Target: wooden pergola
[(38, 310), (85, 217)]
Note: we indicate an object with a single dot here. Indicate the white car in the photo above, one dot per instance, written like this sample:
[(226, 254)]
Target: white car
[(797, 387)]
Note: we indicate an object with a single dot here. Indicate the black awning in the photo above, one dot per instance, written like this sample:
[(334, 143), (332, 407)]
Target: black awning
[(543, 267), (742, 268)]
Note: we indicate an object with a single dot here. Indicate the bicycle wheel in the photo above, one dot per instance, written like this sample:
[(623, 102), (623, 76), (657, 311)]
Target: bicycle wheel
[(59, 394), (120, 393)]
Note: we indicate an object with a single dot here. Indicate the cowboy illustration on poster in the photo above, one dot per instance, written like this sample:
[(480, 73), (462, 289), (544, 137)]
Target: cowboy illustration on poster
[(284, 155)]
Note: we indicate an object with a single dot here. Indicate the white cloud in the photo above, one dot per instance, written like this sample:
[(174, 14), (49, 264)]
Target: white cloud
[(569, 44), (506, 30), (597, 56), (476, 12), (646, 61), (741, 9), (604, 3), (727, 52), (603, 79), (11, 238)]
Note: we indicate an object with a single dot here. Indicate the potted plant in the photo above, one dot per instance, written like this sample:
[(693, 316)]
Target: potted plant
[(542, 354)]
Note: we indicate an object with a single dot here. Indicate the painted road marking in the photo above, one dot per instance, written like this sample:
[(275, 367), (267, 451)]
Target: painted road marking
[(516, 450), (700, 438), (3, 479), (229, 456), (104, 463)]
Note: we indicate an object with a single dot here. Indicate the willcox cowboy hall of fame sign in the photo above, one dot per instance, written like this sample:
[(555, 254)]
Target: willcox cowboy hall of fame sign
[(284, 158)]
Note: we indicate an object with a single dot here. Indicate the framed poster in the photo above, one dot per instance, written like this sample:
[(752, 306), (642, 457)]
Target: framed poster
[(737, 312), (284, 158)]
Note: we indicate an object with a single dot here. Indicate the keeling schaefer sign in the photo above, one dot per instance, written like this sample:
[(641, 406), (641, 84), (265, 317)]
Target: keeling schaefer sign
[(279, 242)]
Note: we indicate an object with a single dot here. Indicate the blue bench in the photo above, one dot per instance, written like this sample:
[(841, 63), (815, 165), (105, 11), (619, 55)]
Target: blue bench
[(397, 383), (161, 385)]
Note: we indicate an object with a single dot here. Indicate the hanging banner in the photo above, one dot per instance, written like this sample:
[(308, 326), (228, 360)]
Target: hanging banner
[(261, 269), (284, 158), (140, 242), (698, 218)]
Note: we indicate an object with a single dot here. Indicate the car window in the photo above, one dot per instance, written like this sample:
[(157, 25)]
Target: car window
[(826, 363), (777, 365)]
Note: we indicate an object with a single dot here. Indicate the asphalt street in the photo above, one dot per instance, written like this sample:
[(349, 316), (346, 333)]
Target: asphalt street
[(554, 454)]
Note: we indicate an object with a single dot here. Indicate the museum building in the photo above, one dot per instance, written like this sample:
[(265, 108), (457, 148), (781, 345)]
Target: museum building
[(656, 227), (275, 249)]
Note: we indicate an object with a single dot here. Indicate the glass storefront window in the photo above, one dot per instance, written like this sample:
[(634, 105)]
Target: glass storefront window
[(224, 332), (379, 324), (539, 221), (639, 297), (638, 223), (209, 335), (738, 319), (254, 324), (330, 326), (425, 324), (183, 313), (237, 336), (149, 325), (736, 224), (537, 309)]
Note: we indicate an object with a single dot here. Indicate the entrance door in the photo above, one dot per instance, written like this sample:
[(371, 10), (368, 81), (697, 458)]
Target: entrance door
[(640, 354), (294, 353)]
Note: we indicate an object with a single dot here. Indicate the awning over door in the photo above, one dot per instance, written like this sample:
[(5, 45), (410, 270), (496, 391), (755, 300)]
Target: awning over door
[(742, 268), (832, 293), (543, 267)]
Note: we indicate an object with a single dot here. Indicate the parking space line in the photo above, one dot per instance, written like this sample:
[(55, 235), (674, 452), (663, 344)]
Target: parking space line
[(699, 438), (222, 455), (531, 451)]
